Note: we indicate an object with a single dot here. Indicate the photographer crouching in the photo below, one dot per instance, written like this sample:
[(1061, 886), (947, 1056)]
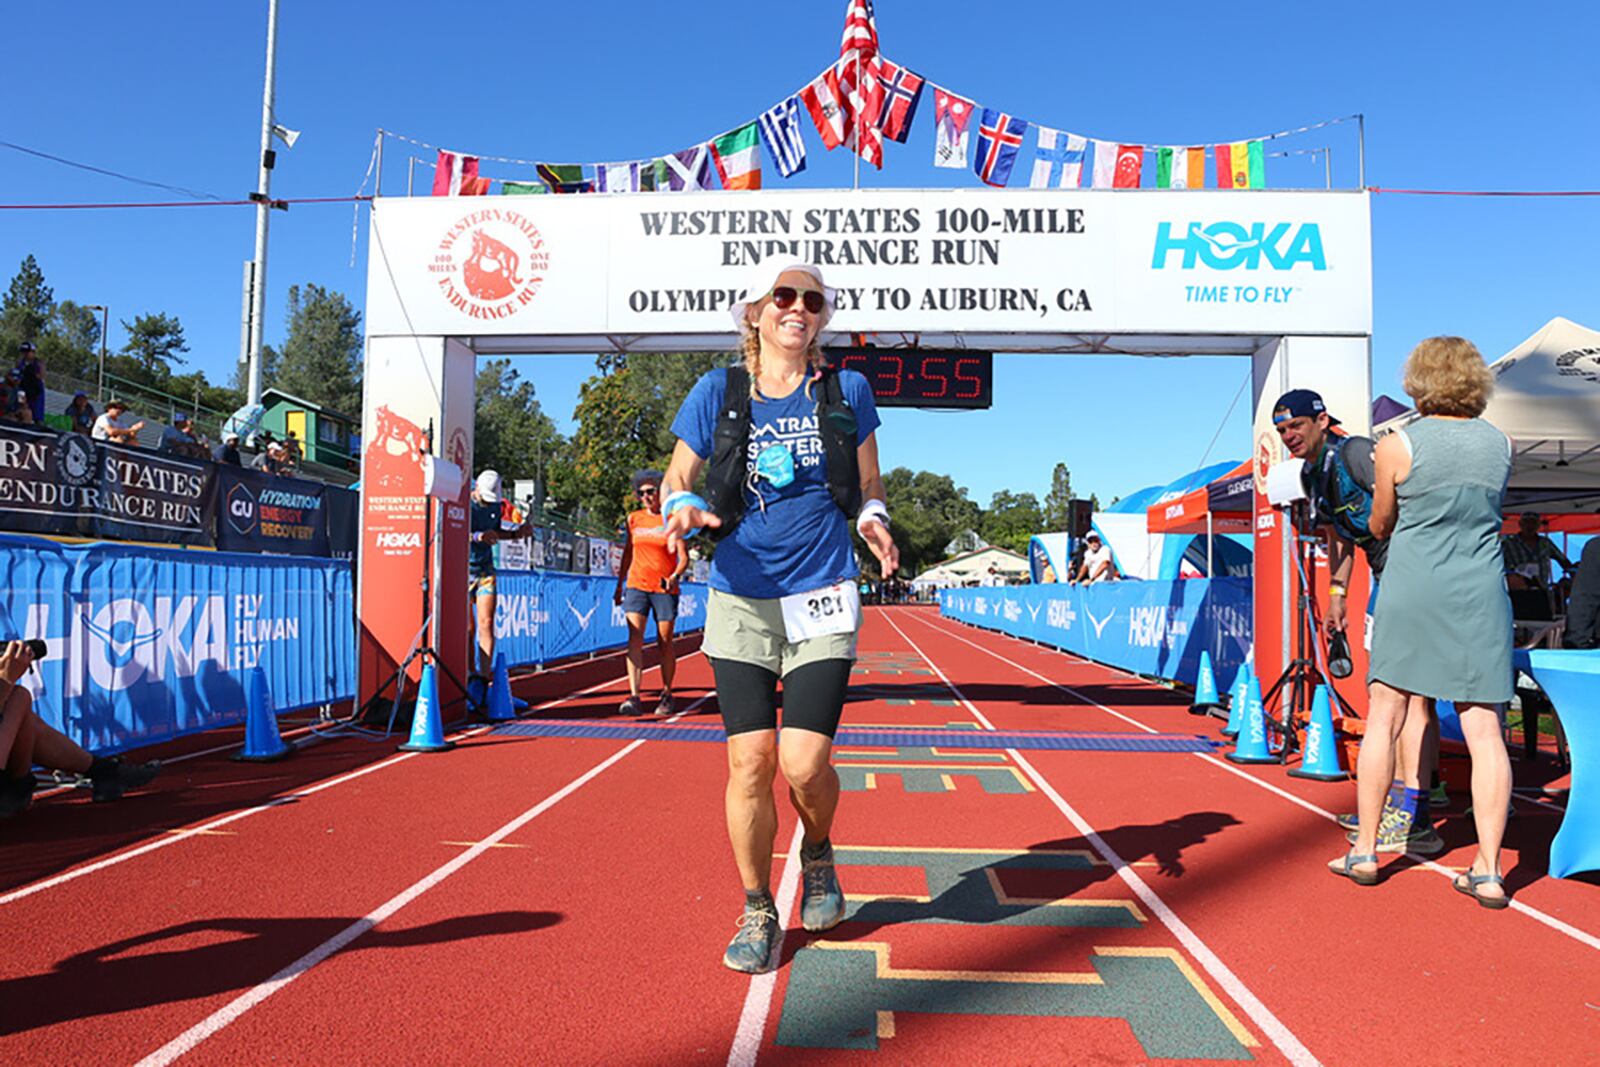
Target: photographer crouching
[(1338, 479)]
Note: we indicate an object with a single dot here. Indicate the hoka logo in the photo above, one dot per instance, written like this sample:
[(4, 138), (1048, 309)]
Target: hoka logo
[(1061, 615), (1230, 245), (391, 539), (1011, 610), (1150, 627)]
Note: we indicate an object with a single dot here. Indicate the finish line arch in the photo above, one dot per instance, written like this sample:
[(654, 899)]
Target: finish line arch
[(1282, 277)]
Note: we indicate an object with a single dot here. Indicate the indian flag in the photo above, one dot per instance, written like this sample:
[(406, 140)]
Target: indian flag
[(1180, 168), (1241, 165), (738, 157)]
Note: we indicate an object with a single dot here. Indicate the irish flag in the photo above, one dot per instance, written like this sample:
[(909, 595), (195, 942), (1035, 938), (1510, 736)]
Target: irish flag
[(1241, 165), (738, 157), (1180, 168)]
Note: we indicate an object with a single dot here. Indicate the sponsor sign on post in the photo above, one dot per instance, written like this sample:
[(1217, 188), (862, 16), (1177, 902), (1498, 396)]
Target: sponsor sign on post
[(277, 516)]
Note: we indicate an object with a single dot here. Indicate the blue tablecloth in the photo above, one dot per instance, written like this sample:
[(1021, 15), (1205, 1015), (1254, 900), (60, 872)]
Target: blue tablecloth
[(1571, 679)]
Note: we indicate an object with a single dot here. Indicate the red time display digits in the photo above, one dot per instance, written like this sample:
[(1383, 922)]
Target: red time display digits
[(921, 377)]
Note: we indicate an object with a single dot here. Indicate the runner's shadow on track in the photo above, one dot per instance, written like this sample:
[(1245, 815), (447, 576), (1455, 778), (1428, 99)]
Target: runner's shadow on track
[(128, 975), (971, 900)]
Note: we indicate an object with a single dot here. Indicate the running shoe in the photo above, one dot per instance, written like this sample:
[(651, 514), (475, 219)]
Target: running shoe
[(112, 777), (666, 705), (15, 793), (1438, 797), (821, 901), (1350, 820), (631, 706), (751, 950)]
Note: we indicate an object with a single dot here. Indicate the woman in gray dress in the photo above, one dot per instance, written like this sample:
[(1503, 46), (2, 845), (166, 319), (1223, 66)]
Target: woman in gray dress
[(1442, 627)]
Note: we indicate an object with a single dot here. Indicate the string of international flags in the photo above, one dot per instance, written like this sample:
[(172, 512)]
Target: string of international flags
[(857, 103)]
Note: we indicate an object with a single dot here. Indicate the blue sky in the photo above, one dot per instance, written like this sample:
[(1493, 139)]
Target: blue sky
[(1484, 96)]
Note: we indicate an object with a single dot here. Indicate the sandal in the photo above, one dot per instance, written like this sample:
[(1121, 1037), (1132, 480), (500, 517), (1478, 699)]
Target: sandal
[(1473, 881), (1347, 869)]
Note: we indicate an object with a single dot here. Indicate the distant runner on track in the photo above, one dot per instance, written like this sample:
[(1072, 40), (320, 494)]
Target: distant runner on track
[(792, 457), (647, 583)]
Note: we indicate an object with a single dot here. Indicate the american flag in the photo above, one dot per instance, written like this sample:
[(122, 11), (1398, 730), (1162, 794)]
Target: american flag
[(860, 30), (863, 99)]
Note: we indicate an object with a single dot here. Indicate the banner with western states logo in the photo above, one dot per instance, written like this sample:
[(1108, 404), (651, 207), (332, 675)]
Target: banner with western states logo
[(70, 485), (1016, 262), (541, 616), (148, 643), (1157, 629), (278, 516)]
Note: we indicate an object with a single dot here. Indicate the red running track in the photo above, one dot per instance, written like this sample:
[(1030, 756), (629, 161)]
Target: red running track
[(564, 901)]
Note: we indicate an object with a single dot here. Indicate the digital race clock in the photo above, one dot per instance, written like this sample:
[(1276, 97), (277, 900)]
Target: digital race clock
[(922, 377)]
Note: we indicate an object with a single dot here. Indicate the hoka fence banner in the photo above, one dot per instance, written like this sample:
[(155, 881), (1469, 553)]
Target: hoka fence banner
[(1157, 629), (148, 643), (68, 484), (543, 615)]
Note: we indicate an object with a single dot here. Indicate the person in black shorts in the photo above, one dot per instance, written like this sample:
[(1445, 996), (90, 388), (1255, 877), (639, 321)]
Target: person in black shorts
[(647, 582)]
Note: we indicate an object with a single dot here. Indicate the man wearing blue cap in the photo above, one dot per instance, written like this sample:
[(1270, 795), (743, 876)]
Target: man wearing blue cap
[(1338, 477)]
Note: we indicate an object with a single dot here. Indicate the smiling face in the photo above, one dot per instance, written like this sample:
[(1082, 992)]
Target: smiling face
[(650, 497), (790, 329), (1302, 435)]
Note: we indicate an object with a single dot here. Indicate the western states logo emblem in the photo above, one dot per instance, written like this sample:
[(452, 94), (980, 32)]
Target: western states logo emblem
[(1234, 245), (75, 459), (241, 509), (491, 263)]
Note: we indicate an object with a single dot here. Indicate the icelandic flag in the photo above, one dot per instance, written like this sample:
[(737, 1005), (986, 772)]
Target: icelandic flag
[(1058, 160), (999, 137), (780, 132)]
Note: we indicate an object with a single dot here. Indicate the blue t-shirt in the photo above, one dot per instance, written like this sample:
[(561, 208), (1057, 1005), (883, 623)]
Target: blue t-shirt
[(801, 540)]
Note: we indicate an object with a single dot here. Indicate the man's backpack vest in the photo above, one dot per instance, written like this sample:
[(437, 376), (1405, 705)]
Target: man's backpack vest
[(730, 447)]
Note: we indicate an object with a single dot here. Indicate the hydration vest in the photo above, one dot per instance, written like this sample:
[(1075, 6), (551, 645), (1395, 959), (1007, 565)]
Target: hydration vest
[(730, 448), (1345, 477)]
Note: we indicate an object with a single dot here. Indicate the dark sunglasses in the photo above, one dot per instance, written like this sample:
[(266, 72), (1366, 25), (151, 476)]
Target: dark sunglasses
[(784, 297), (652, 490)]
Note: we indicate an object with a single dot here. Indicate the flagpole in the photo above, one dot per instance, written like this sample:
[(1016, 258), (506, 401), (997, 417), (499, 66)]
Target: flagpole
[(258, 301), (860, 96)]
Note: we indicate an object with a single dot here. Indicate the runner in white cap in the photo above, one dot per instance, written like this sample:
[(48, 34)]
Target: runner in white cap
[(793, 458), (486, 531)]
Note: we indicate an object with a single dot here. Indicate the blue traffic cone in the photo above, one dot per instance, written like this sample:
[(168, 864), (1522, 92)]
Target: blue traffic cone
[(427, 727), (501, 708), (1237, 700), (262, 742), (1205, 689), (1320, 759), (1251, 746)]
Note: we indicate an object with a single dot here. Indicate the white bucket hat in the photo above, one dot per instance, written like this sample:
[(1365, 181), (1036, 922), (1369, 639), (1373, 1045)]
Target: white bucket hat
[(488, 486), (764, 278)]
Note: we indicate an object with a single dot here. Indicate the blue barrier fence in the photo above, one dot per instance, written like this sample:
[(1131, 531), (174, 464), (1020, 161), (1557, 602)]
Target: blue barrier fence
[(542, 615), (1157, 629), (148, 643)]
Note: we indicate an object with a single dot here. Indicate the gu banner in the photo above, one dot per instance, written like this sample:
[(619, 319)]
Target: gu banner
[(275, 516), (68, 484)]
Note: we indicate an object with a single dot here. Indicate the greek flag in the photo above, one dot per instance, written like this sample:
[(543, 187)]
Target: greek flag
[(780, 132)]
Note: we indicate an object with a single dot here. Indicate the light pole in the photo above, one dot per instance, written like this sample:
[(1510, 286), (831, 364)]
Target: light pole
[(263, 206), (105, 321)]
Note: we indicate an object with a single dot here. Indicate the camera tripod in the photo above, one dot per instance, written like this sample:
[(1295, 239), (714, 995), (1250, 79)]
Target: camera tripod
[(1297, 685)]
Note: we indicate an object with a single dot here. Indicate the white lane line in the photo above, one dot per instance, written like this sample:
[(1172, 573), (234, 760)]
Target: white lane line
[(172, 837), (758, 998), (212, 1024), (1583, 937), (1279, 1034)]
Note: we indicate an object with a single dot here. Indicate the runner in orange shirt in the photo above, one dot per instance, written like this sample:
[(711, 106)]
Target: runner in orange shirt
[(648, 582)]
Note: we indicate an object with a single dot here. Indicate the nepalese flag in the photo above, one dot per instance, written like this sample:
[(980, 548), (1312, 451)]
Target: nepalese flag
[(1104, 166), (1130, 164), (999, 137), (456, 175), (616, 177), (1241, 165), (860, 30), (780, 131), (564, 177), (688, 170), (1058, 160), (952, 115), (901, 90), (825, 102), (738, 158), (1180, 168), (862, 93)]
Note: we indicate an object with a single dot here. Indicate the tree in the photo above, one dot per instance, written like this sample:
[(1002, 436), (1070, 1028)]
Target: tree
[(269, 372), (154, 342), (26, 308), (1011, 520), (70, 342), (512, 434), (928, 511), (321, 360), (1056, 501)]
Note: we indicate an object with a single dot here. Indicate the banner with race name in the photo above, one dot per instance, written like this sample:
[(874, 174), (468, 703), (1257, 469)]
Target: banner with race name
[(69, 485), (542, 615), (1156, 629), (147, 643)]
